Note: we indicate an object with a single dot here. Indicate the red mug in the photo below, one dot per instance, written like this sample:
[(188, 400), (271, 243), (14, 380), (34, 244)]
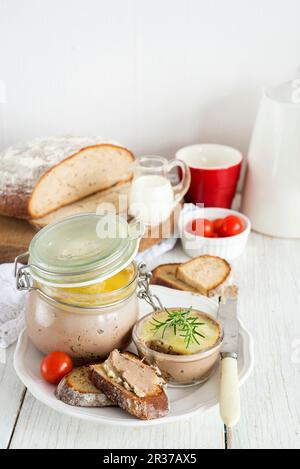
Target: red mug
[(215, 171)]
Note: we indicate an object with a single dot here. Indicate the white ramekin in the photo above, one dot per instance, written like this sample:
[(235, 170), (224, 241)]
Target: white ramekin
[(228, 248)]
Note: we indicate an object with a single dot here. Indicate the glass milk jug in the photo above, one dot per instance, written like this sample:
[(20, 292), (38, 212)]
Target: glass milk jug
[(272, 190), (152, 197)]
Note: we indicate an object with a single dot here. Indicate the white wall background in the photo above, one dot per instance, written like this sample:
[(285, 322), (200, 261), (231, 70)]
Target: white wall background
[(152, 74)]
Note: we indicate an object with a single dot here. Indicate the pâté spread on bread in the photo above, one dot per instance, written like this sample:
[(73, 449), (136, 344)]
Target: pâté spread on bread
[(133, 385), (134, 376)]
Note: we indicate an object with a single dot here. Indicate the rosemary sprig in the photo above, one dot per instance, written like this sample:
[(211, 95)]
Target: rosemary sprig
[(182, 323)]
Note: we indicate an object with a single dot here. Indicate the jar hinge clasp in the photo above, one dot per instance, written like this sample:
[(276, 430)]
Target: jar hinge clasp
[(144, 292), (22, 274)]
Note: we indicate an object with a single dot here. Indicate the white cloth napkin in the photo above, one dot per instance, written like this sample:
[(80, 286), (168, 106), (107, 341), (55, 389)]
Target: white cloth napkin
[(11, 307), (157, 250), (12, 301)]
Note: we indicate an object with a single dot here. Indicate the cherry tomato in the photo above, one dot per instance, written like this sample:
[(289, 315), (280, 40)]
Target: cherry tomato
[(231, 226), (202, 227), (217, 224), (55, 366)]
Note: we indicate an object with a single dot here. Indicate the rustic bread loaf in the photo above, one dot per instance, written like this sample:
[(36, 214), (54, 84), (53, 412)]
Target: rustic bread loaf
[(46, 174)]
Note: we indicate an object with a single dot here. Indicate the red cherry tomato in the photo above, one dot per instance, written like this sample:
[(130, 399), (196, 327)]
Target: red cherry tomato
[(217, 224), (201, 227), (231, 226), (55, 366)]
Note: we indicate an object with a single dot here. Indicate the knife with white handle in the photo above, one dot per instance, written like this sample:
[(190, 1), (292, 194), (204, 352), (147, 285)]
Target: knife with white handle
[(230, 406)]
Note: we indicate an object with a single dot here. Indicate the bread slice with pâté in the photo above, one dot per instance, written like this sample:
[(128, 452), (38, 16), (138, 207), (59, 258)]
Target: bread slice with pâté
[(76, 389), (133, 385), (205, 273)]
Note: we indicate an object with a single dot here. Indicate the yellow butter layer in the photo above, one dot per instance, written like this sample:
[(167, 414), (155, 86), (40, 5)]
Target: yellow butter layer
[(111, 284), (169, 339), (103, 293)]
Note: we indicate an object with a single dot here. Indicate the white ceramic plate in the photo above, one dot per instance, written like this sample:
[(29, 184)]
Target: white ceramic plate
[(185, 402)]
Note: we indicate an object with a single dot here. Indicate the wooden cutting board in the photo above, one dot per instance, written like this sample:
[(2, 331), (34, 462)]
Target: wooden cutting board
[(15, 236)]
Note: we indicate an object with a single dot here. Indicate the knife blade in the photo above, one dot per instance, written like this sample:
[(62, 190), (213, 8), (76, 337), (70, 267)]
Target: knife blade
[(230, 407), (229, 320)]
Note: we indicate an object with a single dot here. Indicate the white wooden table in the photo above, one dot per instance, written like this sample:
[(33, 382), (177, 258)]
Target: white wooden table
[(269, 278)]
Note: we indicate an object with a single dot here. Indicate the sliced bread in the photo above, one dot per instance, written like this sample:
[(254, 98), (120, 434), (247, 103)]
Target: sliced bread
[(45, 174), (165, 275), (77, 389), (113, 199), (131, 384), (205, 273)]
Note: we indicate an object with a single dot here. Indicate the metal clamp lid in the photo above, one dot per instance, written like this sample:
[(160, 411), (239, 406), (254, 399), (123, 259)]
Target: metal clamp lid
[(24, 282), (22, 274), (144, 292), (81, 250)]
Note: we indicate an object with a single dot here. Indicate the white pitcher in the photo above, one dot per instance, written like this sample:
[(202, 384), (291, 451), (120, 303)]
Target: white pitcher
[(272, 190), (152, 197)]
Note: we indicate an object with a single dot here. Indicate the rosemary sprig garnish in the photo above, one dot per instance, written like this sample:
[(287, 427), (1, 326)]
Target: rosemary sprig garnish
[(183, 323)]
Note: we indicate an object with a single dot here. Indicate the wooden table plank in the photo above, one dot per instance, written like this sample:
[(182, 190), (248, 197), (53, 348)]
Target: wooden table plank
[(11, 395), (41, 427), (269, 277)]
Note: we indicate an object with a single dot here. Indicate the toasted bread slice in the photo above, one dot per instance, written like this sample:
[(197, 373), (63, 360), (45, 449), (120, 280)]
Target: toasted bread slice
[(205, 273), (165, 275), (153, 405), (77, 389)]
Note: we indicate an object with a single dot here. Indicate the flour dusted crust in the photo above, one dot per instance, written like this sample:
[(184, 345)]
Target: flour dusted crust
[(32, 173)]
